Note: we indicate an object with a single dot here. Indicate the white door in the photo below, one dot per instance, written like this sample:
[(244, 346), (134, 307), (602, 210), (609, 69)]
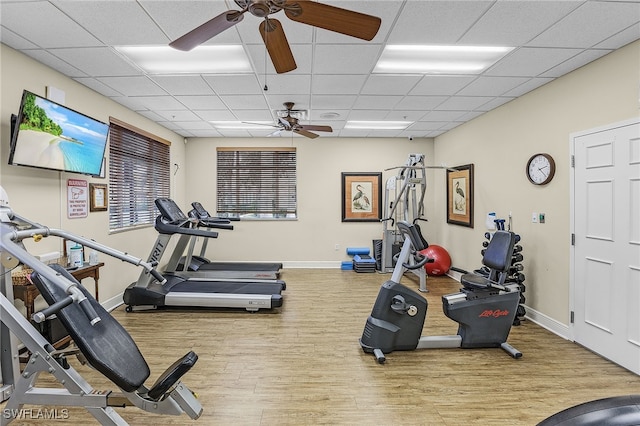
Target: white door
[(606, 223)]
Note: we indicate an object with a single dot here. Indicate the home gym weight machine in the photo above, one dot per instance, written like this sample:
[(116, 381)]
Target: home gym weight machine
[(484, 308), (100, 339), (404, 201)]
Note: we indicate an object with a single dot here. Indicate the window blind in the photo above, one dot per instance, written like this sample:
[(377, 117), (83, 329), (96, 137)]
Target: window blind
[(139, 168), (257, 182)]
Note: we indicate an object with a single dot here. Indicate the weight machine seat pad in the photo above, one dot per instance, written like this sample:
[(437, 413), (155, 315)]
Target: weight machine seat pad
[(499, 251), (107, 346), (474, 281), (172, 375)]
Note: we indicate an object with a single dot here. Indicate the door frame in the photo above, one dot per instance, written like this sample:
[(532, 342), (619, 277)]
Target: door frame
[(572, 190)]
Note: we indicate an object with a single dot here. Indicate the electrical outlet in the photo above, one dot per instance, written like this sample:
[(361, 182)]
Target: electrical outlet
[(534, 217)]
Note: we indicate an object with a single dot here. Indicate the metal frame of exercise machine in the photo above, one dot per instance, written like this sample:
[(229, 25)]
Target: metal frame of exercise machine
[(484, 308), (90, 326), (183, 289)]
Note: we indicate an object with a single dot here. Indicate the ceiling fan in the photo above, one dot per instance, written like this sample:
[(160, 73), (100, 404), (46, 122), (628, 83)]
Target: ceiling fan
[(308, 12), (288, 122)]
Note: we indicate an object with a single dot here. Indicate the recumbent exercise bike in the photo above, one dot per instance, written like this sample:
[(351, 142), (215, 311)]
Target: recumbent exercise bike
[(484, 308)]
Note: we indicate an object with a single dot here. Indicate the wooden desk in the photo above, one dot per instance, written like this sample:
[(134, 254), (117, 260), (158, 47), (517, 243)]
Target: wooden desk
[(28, 292)]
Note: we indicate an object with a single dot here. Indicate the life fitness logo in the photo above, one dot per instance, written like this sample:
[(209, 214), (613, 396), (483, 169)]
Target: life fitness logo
[(490, 313)]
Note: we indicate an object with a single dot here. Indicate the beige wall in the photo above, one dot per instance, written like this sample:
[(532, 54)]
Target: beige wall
[(499, 144), (40, 195), (313, 237)]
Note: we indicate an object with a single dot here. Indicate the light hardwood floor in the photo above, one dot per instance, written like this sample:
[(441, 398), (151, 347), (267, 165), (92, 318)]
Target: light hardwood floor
[(302, 364)]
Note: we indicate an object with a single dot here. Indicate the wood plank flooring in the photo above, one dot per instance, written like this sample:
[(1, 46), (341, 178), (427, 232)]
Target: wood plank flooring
[(302, 364)]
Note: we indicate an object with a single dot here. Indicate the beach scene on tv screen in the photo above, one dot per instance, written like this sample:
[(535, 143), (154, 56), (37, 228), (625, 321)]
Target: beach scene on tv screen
[(54, 137)]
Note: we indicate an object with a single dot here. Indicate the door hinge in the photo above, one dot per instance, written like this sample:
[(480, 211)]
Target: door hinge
[(573, 161), (572, 317), (573, 239)]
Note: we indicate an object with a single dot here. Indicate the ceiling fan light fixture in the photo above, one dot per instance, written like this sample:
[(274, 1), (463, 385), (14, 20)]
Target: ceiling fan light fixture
[(378, 125), (426, 59), (222, 59)]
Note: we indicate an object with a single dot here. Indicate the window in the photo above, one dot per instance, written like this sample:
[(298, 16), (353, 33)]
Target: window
[(138, 174), (257, 183)]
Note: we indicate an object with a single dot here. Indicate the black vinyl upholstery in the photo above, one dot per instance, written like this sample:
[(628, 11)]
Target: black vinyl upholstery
[(107, 346), (497, 257)]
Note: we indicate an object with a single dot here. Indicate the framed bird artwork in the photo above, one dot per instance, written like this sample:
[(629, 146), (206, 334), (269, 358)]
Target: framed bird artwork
[(460, 195), (361, 197)]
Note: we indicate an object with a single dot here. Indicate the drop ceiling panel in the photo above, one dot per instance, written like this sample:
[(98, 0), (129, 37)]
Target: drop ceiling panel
[(577, 61), (159, 103), (98, 86), (436, 22), (253, 115), (531, 61), (133, 86), (469, 103), (115, 22), (202, 102), (345, 58), (492, 86), (244, 101), (441, 84), (244, 84), (424, 103), (216, 115), (390, 84), (97, 61), (376, 102), (513, 23), (331, 101), (345, 84), (570, 31), (183, 84), (45, 57), (47, 26)]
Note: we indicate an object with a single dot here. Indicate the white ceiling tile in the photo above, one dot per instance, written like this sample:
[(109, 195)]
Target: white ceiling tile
[(131, 103), (330, 102), (528, 86), (244, 101), (183, 84), (276, 101), (153, 116), (603, 20), (491, 86), (345, 58), (457, 103), (390, 84), (436, 22), (159, 103), (531, 61), (575, 62), (97, 61), (494, 103), (205, 133), (48, 26), (254, 115), (426, 125), (133, 86), (193, 125), (317, 114), (443, 115), (243, 84), (130, 24), (45, 57), (441, 84), (98, 86), (285, 84), (376, 102), (216, 115), (513, 23), (405, 115), (345, 84), (367, 114), (177, 116), (620, 39), (425, 103), (12, 39), (204, 102)]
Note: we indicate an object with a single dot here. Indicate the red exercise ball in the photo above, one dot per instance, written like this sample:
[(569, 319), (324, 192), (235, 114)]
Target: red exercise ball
[(442, 260)]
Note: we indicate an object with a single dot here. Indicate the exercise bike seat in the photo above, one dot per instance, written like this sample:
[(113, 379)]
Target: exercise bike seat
[(497, 258), (172, 375)]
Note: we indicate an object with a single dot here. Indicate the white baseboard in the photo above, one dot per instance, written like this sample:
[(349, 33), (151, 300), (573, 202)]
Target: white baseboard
[(326, 264), (113, 303), (549, 323)]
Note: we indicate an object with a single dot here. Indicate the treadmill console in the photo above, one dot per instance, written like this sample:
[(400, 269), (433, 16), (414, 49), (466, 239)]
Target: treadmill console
[(170, 210), (202, 213)]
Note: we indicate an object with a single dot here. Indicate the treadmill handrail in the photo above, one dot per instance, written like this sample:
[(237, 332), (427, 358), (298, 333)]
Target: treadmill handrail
[(171, 228)]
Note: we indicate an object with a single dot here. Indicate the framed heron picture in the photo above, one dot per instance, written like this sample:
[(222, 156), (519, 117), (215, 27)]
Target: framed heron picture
[(361, 197), (460, 195)]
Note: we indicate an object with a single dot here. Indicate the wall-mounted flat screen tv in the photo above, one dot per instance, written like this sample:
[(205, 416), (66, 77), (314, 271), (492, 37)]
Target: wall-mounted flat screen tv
[(51, 136)]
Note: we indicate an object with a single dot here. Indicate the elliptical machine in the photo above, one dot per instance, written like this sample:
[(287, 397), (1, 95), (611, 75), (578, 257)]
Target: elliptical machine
[(484, 308)]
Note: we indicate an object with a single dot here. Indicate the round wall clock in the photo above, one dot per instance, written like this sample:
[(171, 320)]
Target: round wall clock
[(540, 169)]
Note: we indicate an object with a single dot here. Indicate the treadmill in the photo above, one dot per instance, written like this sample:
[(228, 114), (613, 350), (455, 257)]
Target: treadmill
[(181, 291), (226, 270)]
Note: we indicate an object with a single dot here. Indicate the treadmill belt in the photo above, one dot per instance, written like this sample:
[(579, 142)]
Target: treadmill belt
[(224, 287), (238, 266)]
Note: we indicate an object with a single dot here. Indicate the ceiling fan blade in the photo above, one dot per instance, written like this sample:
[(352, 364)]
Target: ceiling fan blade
[(333, 18), (277, 46), (208, 30), (276, 133), (305, 133), (315, 128), (284, 123)]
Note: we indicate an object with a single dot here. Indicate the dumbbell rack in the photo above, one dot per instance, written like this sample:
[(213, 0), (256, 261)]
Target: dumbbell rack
[(515, 274)]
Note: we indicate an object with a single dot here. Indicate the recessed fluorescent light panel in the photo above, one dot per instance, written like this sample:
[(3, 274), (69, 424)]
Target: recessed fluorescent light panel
[(239, 125), (418, 59), (378, 125), (203, 59)]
